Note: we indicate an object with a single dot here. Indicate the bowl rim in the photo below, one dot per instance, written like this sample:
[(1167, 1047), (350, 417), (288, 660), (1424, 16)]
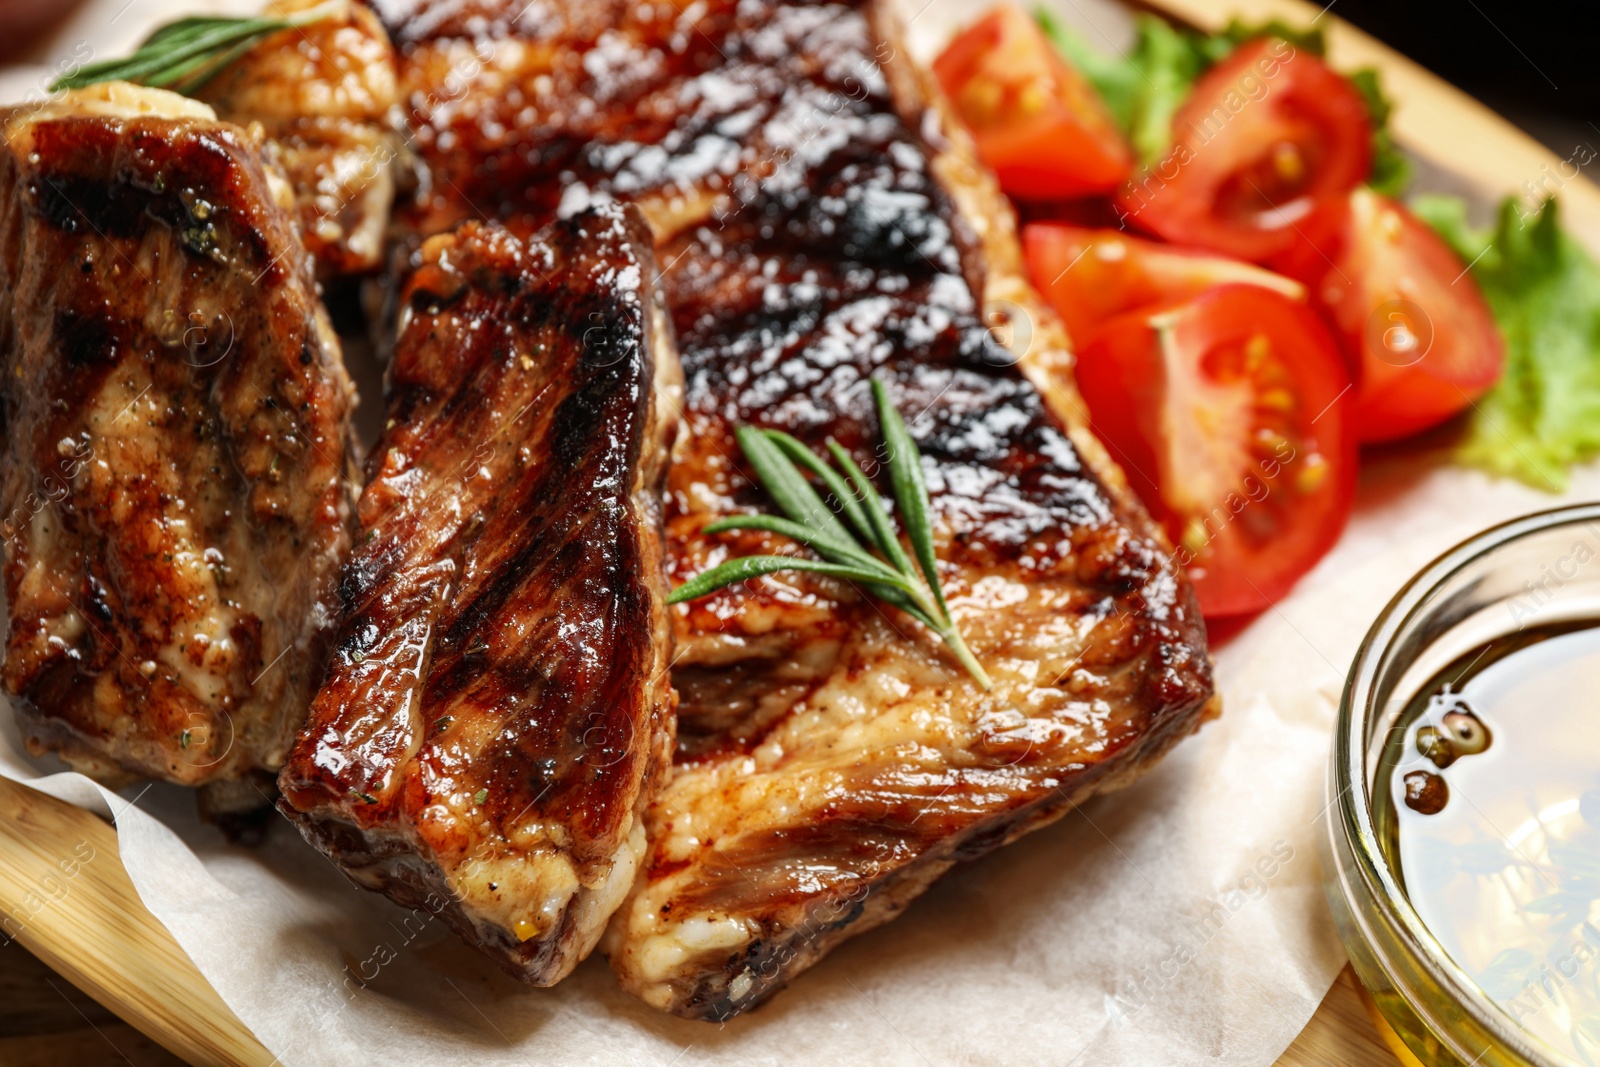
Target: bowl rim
[(1352, 794)]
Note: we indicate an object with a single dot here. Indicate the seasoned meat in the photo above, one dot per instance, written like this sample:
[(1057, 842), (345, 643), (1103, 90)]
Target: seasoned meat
[(820, 224), (324, 96), (498, 711), (174, 486)]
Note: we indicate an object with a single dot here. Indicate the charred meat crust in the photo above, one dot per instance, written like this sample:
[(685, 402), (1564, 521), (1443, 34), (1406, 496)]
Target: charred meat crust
[(818, 227), (175, 483), (498, 710)]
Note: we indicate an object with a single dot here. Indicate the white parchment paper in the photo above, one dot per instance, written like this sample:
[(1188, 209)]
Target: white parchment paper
[(1178, 922)]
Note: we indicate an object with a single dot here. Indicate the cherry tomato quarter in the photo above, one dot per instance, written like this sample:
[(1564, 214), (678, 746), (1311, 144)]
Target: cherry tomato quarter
[(1090, 275), (1228, 412), (1266, 136), (1419, 336), (1038, 123)]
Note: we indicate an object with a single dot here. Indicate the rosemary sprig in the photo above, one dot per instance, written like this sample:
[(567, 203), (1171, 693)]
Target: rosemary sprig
[(184, 55), (846, 541)]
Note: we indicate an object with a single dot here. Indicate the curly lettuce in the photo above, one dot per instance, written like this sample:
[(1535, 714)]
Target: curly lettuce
[(1544, 290)]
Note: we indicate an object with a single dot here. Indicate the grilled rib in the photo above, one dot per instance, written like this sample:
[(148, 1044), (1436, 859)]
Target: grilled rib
[(177, 434), (819, 223), (498, 711), (324, 96)]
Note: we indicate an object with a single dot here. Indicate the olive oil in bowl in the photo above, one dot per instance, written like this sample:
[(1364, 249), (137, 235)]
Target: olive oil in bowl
[(1486, 803)]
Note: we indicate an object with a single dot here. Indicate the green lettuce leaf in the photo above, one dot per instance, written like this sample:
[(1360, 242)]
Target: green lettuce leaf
[(1391, 170), (1544, 289), (1145, 87)]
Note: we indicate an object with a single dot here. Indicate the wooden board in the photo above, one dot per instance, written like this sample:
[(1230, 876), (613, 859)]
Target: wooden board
[(45, 1021), (91, 927), (67, 899), (1347, 1030)]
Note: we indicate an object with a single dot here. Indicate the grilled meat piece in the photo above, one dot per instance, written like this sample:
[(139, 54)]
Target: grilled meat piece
[(819, 223), (174, 487), (498, 710), (833, 760), (325, 98)]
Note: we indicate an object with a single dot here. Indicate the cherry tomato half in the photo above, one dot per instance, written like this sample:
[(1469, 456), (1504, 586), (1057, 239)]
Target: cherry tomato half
[(1090, 275), (1228, 413), (1038, 123), (1420, 339), (1266, 135)]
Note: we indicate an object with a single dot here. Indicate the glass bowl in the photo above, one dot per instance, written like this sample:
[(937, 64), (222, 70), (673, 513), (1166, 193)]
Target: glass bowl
[(1539, 569)]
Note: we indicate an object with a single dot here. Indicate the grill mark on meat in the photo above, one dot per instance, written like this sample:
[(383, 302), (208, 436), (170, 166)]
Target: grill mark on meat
[(512, 107), (177, 418), (126, 188), (819, 223), (498, 711)]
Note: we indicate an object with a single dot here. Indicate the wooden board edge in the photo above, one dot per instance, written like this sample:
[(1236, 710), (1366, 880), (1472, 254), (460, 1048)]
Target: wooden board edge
[(68, 900)]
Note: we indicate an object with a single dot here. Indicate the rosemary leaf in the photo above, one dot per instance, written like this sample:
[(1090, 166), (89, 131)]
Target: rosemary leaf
[(834, 551), (191, 76), (786, 485), (958, 645), (910, 489), (780, 461), (882, 529), (185, 54), (848, 502), (913, 607), (181, 31), (737, 570)]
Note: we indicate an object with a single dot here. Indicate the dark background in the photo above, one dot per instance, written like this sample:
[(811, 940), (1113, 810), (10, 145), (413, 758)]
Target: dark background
[(1537, 63)]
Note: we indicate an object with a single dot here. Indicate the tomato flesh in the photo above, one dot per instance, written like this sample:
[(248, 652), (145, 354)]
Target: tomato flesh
[(1420, 338), (1037, 123), (1266, 137), (1228, 413), (1090, 275)]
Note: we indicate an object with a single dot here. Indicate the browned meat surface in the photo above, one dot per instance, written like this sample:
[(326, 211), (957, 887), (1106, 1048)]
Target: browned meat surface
[(325, 96), (176, 420), (519, 107), (498, 711), (818, 224)]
